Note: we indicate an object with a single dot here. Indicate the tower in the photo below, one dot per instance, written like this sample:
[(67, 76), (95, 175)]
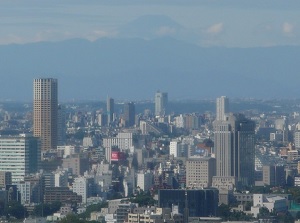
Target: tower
[(161, 101), (222, 107), (234, 148), (45, 108), (129, 114), (110, 107)]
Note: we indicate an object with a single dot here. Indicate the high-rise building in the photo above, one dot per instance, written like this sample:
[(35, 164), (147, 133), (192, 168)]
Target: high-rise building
[(161, 101), (129, 114), (110, 109), (45, 109), (234, 148), (222, 107), (19, 155)]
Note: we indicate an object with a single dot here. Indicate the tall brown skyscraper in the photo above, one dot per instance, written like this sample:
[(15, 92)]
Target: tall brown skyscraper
[(45, 106)]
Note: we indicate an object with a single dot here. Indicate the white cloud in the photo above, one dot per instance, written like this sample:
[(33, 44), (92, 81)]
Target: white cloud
[(96, 34), (215, 28), (165, 30), (288, 28)]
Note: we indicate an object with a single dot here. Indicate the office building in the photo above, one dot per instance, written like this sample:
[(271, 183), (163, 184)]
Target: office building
[(129, 114), (5, 179), (273, 175), (110, 109), (199, 172), (234, 148), (198, 203), (145, 181), (161, 101), (45, 109), (222, 107), (297, 139), (19, 155)]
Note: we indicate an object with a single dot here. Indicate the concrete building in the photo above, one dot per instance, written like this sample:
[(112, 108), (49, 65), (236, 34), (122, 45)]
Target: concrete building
[(161, 101), (222, 108), (159, 215), (19, 155), (129, 114), (198, 203), (273, 175), (297, 139), (274, 203), (199, 172), (45, 112), (61, 178), (77, 164), (123, 141), (5, 179), (61, 194), (80, 187), (234, 148), (174, 148), (145, 181), (110, 109)]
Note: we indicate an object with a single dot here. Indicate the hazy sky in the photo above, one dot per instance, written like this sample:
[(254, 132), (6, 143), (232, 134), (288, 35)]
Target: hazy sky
[(241, 23)]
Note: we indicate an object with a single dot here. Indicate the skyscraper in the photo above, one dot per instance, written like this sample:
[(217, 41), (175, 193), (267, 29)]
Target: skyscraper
[(110, 108), (222, 107), (129, 114), (161, 101), (234, 148), (45, 108)]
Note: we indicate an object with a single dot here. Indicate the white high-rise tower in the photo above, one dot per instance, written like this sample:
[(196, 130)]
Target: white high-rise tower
[(222, 108)]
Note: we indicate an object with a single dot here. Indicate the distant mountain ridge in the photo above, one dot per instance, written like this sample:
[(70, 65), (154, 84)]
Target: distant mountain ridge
[(132, 68)]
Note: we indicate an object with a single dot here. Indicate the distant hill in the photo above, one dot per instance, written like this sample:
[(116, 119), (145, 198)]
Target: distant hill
[(132, 69)]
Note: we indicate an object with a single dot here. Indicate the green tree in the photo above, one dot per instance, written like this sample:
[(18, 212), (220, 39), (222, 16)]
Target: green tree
[(143, 199), (92, 208), (16, 210), (224, 212), (46, 209)]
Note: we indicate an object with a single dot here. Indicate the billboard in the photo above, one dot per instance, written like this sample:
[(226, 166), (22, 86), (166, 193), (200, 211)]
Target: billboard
[(117, 156)]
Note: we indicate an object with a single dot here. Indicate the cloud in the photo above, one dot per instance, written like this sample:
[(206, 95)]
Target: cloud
[(215, 28), (165, 30), (52, 35), (288, 28), (96, 34)]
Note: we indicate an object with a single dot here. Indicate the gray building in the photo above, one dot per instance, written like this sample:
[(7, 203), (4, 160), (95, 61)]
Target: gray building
[(161, 101), (199, 172), (234, 142), (198, 203)]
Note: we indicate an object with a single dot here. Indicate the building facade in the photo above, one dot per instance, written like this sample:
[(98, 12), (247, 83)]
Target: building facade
[(45, 109), (234, 142), (198, 203), (161, 101), (222, 107), (199, 172), (19, 155)]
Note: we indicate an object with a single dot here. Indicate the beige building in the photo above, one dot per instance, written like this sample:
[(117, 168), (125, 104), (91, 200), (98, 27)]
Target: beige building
[(5, 178), (199, 172), (160, 215), (45, 108)]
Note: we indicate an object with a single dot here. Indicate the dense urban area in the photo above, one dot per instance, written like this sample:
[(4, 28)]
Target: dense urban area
[(216, 160)]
